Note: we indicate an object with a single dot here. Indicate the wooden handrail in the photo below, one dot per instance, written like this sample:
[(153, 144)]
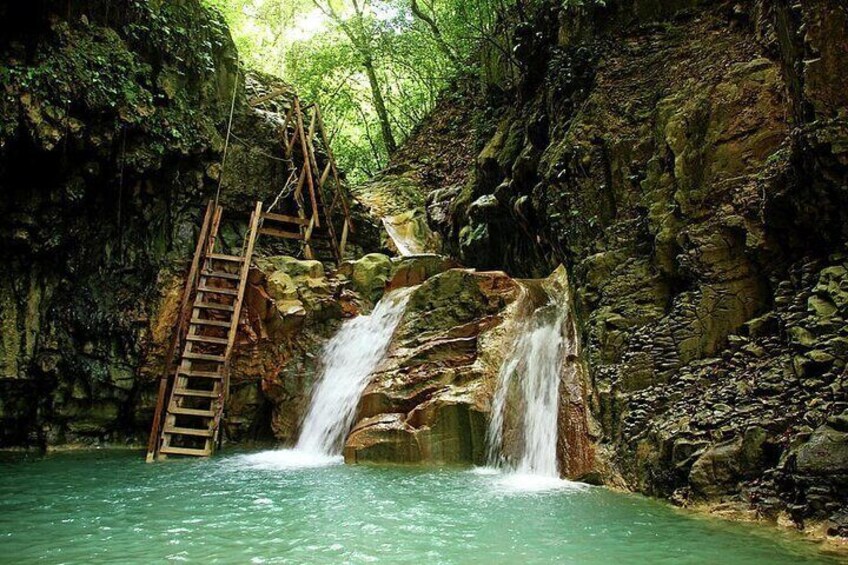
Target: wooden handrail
[(182, 315), (250, 244), (307, 165)]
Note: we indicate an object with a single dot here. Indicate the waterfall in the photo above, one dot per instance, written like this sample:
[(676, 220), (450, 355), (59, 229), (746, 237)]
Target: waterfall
[(349, 358), (530, 376), (406, 246)]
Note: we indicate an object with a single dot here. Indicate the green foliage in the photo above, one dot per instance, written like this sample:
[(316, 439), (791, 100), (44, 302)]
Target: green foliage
[(155, 75), (321, 48)]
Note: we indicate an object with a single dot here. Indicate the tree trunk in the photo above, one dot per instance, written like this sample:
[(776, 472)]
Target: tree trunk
[(437, 33), (379, 105)]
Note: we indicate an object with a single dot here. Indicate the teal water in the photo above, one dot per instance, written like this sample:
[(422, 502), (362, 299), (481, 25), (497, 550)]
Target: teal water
[(112, 507)]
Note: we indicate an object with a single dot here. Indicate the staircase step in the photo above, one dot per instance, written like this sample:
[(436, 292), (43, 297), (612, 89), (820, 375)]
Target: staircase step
[(208, 339), (201, 374), (196, 393), (221, 275), (171, 450), (188, 431), (223, 257), (214, 306), (285, 219), (191, 412), (280, 233), (214, 323), (218, 290), (204, 357)]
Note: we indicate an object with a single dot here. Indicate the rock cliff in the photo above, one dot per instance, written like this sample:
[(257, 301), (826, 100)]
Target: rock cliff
[(687, 161), (113, 127)]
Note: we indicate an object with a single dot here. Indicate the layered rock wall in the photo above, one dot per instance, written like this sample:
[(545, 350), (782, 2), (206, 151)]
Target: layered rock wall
[(687, 161)]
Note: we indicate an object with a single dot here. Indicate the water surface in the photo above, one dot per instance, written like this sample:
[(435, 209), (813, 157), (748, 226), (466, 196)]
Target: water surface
[(268, 508)]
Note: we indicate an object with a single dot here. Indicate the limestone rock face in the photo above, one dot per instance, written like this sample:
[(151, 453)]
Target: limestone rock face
[(429, 400), (688, 161), (111, 140)]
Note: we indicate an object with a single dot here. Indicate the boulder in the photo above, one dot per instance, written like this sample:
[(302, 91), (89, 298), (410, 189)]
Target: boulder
[(369, 275)]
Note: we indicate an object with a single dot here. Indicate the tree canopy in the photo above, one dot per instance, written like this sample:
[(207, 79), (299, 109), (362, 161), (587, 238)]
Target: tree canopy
[(375, 66)]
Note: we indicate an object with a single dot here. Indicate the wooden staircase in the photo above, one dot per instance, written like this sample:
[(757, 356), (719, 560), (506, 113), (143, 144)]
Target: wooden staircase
[(189, 423), (315, 185), (195, 384)]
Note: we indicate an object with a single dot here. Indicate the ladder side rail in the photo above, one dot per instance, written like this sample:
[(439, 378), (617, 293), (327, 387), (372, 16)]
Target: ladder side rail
[(307, 165), (250, 243), (313, 158), (176, 339), (335, 171)]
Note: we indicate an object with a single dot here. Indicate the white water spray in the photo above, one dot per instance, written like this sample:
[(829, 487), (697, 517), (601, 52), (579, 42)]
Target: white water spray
[(349, 359), (532, 373)]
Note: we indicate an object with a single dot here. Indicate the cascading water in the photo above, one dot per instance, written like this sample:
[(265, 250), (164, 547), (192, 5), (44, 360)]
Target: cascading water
[(406, 246), (529, 381), (349, 359)]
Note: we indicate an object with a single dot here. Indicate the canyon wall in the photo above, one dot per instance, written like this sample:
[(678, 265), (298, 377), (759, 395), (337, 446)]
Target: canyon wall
[(688, 162)]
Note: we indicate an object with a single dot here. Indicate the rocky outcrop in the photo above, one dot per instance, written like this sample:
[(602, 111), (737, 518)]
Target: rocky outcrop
[(687, 160), (112, 129), (428, 402)]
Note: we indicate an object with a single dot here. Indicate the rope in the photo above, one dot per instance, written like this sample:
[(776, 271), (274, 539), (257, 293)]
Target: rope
[(286, 191), (229, 133)]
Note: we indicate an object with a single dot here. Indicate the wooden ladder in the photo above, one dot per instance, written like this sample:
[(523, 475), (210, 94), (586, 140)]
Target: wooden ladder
[(189, 424), (313, 224)]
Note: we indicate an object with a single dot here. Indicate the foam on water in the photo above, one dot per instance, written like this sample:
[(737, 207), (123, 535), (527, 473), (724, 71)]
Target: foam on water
[(287, 459)]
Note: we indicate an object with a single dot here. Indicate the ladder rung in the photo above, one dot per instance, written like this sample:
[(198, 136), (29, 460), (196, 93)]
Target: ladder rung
[(218, 290), (222, 257), (188, 431), (173, 450), (214, 306), (191, 412), (215, 323), (221, 275), (203, 357), (196, 393), (280, 233), (283, 218), (201, 374), (208, 339)]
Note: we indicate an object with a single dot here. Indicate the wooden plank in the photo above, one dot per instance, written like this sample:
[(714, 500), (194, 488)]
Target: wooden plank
[(343, 243), (284, 218), (223, 257), (196, 393), (220, 275), (217, 290), (188, 372), (172, 450), (207, 339), (215, 323), (188, 431), (179, 410), (332, 159), (270, 96), (213, 306), (200, 250), (280, 233), (204, 357)]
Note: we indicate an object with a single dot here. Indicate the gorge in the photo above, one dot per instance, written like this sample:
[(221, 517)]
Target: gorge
[(610, 262)]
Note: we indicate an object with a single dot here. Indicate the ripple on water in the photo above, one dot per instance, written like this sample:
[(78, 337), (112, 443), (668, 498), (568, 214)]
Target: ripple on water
[(336, 513)]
